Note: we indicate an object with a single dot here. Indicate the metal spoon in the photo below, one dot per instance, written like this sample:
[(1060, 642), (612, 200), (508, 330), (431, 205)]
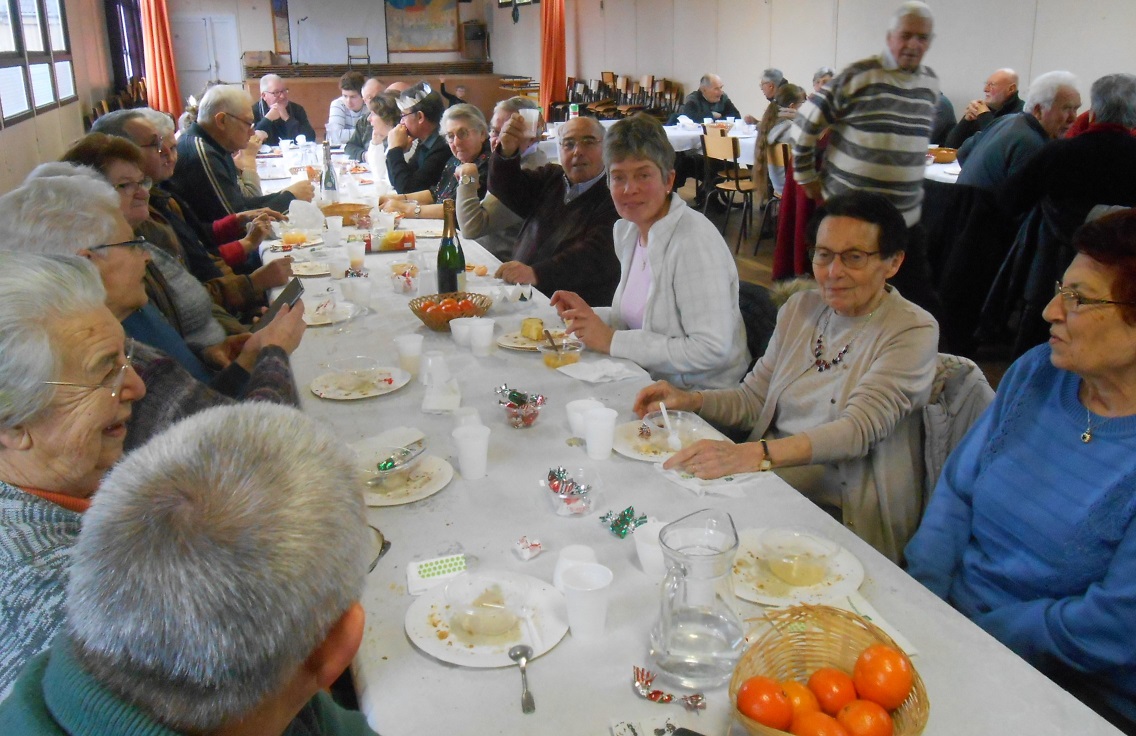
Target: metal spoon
[(557, 348), (520, 654)]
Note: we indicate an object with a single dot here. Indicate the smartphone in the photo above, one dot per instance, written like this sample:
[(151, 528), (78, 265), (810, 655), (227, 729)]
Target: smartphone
[(290, 295)]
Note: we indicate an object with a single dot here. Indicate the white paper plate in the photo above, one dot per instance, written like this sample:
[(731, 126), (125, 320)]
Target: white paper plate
[(654, 449), (431, 475), (343, 311), (517, 341), (755, 582), (310, 268), (348, 387), (427, 625)]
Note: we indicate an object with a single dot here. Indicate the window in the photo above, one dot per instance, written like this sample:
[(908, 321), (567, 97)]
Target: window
[(36, 70)]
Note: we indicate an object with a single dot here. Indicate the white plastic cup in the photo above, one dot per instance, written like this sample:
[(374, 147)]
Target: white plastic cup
[(334, 221), (649, 550), (473, 450), (357, 291), (532, 119), (434, 371), (338, 264), (409, 349), (481, 337), (599, 432), (467, 416), (576, 411), (573, 554), (356, 253), (460, 329), (586, 588)]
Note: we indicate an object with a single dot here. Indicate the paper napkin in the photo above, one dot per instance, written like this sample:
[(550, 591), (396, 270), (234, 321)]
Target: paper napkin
[(602, 371)]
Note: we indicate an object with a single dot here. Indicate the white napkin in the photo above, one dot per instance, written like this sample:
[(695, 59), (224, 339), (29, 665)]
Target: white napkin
[(953, 169), (444, 398), (730, 485), (602, 371), (305, 215), (687, 123)]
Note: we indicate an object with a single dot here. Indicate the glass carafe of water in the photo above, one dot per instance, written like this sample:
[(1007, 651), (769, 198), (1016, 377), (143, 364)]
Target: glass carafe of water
[(698, 638)]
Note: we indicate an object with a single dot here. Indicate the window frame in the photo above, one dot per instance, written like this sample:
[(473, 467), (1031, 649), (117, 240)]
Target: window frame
[(24, 60)]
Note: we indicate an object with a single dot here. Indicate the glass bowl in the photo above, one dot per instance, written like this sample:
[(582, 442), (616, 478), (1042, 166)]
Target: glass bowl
[(522, 416), (484, 607), (797, 556), (382, 464), (564, 501), (568, 353)]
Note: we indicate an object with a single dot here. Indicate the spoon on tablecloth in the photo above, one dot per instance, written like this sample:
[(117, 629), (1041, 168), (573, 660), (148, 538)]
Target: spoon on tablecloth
[(520, 654)]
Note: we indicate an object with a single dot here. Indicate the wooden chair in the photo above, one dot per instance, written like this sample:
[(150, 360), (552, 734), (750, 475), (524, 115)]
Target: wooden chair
[(725, 149), (358, 49), (607, 81)]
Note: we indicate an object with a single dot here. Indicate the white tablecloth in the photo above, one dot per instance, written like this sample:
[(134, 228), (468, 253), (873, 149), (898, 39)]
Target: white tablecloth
[(945, 173), (975, 685)]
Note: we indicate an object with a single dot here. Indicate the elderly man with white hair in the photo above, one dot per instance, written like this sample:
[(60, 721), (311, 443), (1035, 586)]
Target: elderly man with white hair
[(1000, 151), (1000, 98), (206, 176), (275, 116), (155, 641)]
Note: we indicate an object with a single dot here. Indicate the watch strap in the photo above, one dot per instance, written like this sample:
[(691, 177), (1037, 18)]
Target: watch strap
[(766, 461)]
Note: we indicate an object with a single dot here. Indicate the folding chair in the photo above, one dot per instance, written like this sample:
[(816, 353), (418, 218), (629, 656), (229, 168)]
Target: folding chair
[(726, 149)]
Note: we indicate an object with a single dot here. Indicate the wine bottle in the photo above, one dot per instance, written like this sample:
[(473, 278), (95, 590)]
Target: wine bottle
[(329, 183), (451, 258)]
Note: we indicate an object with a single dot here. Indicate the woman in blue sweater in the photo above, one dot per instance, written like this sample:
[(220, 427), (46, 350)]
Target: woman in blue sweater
[(1031, 531)]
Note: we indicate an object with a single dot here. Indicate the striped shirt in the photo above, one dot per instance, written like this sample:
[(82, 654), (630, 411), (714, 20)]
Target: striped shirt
[(879, 121)]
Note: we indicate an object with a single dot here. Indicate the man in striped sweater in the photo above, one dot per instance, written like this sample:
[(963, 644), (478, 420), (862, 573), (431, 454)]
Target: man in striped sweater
[(878, 114)]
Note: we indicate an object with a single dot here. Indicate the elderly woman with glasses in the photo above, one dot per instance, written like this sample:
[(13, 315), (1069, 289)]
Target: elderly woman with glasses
[(675, 311), (1031, 532), (833, 406), (467, 134)]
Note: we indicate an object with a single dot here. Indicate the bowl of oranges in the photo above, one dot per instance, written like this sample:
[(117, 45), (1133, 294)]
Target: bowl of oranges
[(437, 310), (822, 671)]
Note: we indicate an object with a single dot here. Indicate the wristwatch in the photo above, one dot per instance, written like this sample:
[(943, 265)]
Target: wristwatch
[(467, 179), (766, 461), (418, 209)]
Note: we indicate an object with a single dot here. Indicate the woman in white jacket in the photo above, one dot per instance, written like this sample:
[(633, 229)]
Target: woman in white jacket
[(675, 311)]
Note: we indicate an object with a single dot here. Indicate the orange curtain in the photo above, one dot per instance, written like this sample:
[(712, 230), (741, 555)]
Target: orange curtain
[(553, 74), (157, 46)]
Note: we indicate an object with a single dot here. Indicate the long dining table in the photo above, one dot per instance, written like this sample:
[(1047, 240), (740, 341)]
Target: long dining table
[(975, 685)]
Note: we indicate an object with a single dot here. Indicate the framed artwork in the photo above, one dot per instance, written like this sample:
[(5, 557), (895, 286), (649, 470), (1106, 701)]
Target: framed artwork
[(422, 25), (280, 27)]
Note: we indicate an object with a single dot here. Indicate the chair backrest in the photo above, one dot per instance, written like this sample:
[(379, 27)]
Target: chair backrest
[(759, 314), (608, 78), (959, 394), (358, 47), (779, 154), (721, 148)]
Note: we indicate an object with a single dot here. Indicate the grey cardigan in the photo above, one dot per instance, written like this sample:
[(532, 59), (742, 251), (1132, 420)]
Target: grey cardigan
[(693, 334)]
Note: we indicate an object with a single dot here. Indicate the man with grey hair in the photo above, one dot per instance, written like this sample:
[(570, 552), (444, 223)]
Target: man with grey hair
[(491, 223), (1000, 98), (879, 111), (205, 175), (771, 81), (709, 101), (566, 241), (155, 637), (275, 116), (997, 153)]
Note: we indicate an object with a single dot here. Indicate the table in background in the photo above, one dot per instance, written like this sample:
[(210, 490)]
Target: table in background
[(681, 139), (975, 684)]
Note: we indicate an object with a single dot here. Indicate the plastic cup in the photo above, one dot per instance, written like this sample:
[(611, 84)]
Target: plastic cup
[(334, 221), (649, 550), (576, 411), (338, 265), (356, 252), (357, 291), (532, 120), (481, 337), (586, 589), (409, 349), (460, 329), (573, 554), (473, 450), (599, 432), (467, 416)]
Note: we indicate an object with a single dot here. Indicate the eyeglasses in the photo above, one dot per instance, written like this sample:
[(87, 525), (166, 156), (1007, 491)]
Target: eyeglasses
[(278, 92), (249, 123), (852, 259), (571, 144), (143, 184), (114, 382), (460, 134), (1072, 301), (136, 244), (156, 144)]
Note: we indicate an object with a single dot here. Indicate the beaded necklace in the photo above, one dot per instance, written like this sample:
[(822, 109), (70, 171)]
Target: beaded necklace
[(823, 365)]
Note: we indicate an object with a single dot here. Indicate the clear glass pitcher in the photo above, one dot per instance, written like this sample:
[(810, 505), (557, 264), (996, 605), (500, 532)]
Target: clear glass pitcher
[(698, 637)]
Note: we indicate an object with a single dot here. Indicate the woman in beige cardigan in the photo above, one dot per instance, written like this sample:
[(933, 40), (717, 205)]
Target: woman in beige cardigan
[(833, 405)]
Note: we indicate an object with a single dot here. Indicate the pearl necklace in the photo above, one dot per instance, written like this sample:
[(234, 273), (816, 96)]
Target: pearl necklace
[(823, 365), (1087, 435)]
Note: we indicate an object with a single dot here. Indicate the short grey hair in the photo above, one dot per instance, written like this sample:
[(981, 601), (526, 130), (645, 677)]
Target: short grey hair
[(161, 121), (1114, 100), (214, 560), (223, 98), (60, 209), (268, 79), (640, 137), (114, 123), (773, 75), (36, 292), (912, 8), (1043, 90), (468, 114), (707, 80), (824, 71), (516, 104)]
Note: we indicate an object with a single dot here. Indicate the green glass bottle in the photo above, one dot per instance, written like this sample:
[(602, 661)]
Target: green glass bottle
[(330, 184), (451, 257)]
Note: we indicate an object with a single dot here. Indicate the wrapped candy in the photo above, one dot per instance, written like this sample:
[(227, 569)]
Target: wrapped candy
[(572, 496), (642, 679), (527, 548), (517, 398), (624, 522), (521, 409)]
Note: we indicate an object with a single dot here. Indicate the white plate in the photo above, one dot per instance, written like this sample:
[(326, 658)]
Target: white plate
[(348, 387), (431, 475), (654, 449), (343, 311), (517, 341), (275, 174), (278, 246), (755, 582), (310, 268), (427, 625), (428, 233)]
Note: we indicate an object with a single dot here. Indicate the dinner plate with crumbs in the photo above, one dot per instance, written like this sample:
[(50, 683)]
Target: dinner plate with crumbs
[(517, 341), (430, 475), (646, 439), (428, 626), (754, 581), (310, 268), (331, 315), (364, 384)]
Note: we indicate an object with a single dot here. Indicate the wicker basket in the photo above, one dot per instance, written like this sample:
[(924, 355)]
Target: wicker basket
[(440, 322), (944, 155), (801, 640), (345, 210)]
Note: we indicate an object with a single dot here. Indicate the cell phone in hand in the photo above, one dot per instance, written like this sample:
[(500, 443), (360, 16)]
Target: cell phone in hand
[(290, 295)]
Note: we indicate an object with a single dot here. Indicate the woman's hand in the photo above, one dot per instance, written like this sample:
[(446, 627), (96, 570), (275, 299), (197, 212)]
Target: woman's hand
[(515, 272), (648, 399), (466, 170), (708, 459), (220, 355), (261, 213), (397, 206), (583, 322), (259, 229), (272, 274), (284, 331)]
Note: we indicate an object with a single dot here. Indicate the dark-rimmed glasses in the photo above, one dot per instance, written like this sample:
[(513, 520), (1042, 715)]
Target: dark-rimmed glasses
[(571, 144), (249, 123), (114, 382), (1072, 300), (853, 259), (157, 144), (135, 243), (145, 184)]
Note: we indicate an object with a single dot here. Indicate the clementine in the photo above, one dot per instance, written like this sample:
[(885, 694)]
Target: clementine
[(865, 718), (763, 700), (816, 723), (883, 675), (800, 696), (833, 689)]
